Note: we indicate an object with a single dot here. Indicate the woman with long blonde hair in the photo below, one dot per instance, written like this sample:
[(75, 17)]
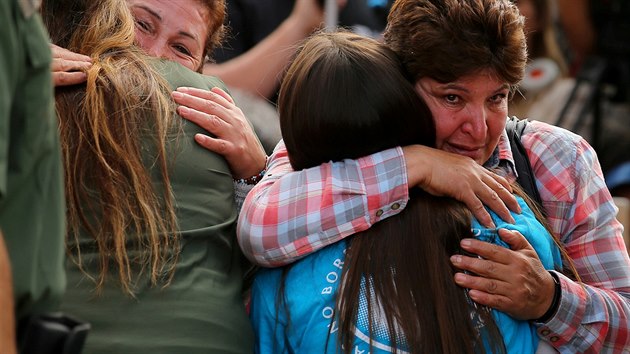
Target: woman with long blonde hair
[(151, 216)]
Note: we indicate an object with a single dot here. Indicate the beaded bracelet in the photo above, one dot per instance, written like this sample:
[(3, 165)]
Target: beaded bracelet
[(253, 179)]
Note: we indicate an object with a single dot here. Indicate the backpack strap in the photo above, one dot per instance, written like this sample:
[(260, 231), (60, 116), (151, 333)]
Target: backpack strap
[(526, 178)]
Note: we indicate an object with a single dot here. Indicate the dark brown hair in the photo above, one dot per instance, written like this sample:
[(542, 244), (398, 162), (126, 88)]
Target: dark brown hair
[(405, 261), (448, 39), (346, 96)]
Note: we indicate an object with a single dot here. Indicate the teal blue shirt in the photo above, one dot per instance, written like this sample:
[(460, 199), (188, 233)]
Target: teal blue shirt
[(520, 336), (311, 287)]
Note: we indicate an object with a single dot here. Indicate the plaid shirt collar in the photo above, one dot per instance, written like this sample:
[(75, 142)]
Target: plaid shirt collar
[(502, 159)]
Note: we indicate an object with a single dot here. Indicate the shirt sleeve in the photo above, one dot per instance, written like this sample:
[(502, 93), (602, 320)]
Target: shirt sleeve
[(594, 314), (240, 192), (7, 81), (290, 214)]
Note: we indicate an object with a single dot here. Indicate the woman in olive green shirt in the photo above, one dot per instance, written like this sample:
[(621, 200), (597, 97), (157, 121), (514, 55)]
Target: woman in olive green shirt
[(151, 216)]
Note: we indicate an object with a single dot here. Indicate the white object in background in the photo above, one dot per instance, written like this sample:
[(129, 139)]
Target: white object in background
[(540, 73), (331, 15)]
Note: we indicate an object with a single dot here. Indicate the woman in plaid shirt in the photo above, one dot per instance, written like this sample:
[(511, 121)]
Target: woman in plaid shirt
[(467, 57)]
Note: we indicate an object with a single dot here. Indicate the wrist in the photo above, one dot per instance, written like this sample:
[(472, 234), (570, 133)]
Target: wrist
[(414, 165), (255, 178), (555, 301)]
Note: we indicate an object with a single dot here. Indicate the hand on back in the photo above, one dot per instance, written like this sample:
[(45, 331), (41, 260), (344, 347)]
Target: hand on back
[(234, 137)]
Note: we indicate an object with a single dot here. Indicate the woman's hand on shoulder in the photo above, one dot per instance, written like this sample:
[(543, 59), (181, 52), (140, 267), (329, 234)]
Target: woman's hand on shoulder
[(512, 280), (68, 68), (443, 173), (233, 136)]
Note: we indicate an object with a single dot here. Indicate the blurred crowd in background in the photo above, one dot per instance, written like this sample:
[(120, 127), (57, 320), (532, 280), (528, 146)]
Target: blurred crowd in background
[(578, 78)]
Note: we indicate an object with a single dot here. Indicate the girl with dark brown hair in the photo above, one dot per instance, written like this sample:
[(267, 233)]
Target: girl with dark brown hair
[(466, 58), (389, 289)]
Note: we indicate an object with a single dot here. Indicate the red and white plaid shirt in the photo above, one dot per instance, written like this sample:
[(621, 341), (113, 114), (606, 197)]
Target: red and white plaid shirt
[(290, 214)]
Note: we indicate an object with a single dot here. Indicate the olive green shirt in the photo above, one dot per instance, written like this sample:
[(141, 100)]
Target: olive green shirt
[(202, 310), (32, 209)]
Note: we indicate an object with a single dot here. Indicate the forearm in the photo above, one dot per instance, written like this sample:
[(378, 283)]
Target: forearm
[(594, 315), (290, 214), (589, 319), (259, 69), (7, 320), (8, 79)]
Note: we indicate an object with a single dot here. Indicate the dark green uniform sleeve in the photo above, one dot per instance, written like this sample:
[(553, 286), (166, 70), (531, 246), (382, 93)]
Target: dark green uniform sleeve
[(32, 208), (8, 42)]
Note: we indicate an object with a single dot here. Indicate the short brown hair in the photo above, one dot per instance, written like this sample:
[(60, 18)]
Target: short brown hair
[(448, 39)]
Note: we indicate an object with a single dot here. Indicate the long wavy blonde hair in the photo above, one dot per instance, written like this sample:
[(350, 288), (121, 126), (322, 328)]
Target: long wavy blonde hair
[(105, 125)]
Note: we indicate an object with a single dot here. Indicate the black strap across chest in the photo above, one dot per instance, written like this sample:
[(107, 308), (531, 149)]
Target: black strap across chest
[(526, 178)]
